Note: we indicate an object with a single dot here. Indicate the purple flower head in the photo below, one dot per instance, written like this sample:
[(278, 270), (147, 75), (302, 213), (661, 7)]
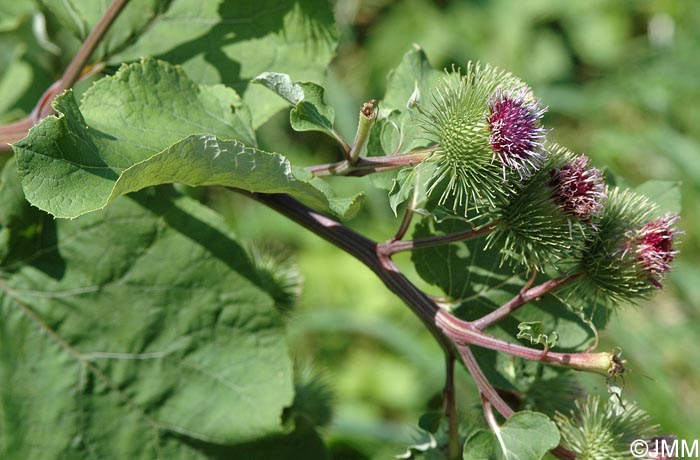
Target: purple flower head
[(579, 189), (654, 245), (517, 138)]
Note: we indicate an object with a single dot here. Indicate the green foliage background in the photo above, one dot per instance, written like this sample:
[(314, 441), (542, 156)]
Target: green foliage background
[(620, 79)]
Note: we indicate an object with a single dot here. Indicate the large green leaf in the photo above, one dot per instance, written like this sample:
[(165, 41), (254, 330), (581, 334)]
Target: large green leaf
[(231, 42), (128, 134), (302, 443), (135, 333), (524, 436)]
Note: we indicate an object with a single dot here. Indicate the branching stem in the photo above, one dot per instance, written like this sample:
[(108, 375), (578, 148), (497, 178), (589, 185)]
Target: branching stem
[(526, 295), (465, 333), (393, 246), (447, 329)]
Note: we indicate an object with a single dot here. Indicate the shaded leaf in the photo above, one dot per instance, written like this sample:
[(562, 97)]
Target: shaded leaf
[(425, 443), (302, 443), (25, 68), (411, 184), (123, 328), (414, 75), (81, 16), (13, 13), (232, 42)]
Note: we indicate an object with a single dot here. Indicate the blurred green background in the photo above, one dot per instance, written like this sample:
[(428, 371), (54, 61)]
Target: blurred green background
[(622, 82)]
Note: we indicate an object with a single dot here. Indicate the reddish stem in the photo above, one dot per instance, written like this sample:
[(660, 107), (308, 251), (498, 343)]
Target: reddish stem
[(523, 297), (13, 132), (393, 246), (465, 333)]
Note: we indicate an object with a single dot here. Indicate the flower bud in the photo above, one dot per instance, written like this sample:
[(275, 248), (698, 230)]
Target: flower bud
[(653, 245), (484, 122), (516, 138), (578, 188)]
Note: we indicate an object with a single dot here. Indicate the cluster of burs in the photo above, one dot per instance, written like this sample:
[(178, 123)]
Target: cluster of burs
[(553, 211)]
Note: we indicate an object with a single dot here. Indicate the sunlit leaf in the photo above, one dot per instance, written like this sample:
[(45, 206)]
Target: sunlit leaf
[(136, 129)]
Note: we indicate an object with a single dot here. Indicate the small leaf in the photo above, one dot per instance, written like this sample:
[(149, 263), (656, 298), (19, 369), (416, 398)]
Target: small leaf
[(309, 112), (534, 331), (528, 436), (410, 184), (411, 79), (430, 421), (397, 128)]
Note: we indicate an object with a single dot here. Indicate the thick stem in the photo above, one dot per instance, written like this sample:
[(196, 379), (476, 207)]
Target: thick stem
[(363, 249), (464, 333), (482, 382), (442, 325), (523, 297), (394, 246), (450, 402)]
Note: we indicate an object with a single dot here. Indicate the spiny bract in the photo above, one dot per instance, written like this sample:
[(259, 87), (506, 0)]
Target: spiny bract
[(486, 123)]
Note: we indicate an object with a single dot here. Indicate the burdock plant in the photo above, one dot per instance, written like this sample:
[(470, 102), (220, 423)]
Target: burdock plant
[(144, 329)]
